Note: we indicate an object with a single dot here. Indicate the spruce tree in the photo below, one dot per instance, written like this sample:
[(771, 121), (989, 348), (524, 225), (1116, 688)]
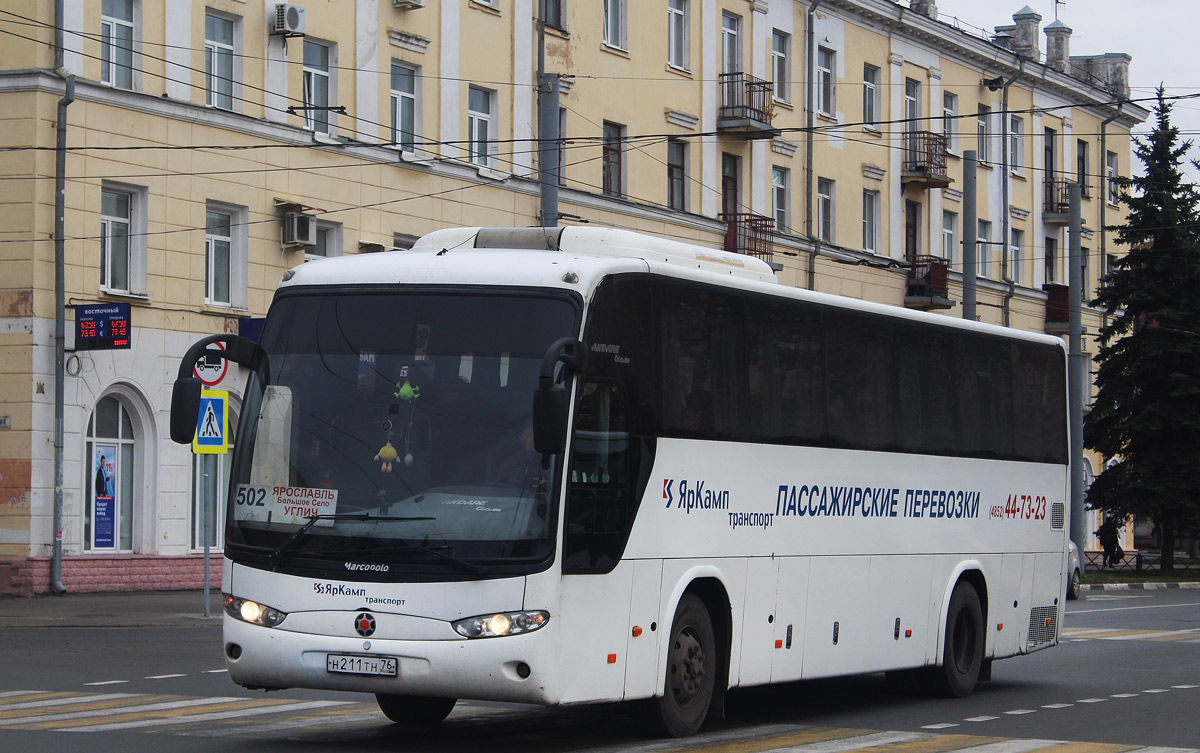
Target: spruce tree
[(1146, 415)]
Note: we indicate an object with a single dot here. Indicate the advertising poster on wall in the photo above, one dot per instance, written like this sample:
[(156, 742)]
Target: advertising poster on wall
[(104, 500)]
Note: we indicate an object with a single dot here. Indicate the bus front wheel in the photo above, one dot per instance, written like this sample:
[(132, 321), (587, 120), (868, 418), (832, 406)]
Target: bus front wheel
[(415, 710), (691, 673), (962, 656)]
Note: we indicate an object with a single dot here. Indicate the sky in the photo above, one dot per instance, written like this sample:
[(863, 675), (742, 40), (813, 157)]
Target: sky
[(1160, 35)]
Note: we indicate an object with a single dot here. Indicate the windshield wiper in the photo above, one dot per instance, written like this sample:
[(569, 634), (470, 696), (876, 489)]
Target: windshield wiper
[(276, 556), (432, 551)]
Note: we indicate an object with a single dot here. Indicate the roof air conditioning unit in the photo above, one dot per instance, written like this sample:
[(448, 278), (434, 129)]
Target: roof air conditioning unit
[(288, 20), (299, 229), (408, 4)]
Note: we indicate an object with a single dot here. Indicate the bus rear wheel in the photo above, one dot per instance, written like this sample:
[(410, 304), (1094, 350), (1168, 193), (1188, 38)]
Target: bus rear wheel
[(691, 673), (962, 655), (415, 710)]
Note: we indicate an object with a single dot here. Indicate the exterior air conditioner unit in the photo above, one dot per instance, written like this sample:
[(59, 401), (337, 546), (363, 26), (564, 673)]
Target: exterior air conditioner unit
[(299, 229), (408, 4), (288, 20)]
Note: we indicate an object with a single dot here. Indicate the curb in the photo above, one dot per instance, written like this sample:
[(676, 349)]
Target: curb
[(1135, 586)]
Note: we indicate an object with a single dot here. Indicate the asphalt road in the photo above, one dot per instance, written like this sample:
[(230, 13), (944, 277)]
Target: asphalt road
[(1126, 677)]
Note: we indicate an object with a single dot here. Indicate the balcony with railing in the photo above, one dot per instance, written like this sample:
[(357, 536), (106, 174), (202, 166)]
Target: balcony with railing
[(928, 285), (747, 106), (749, 234), (1056, 207), (924, 160)]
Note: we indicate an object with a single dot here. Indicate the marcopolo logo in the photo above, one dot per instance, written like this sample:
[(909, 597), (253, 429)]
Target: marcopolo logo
[(694, 495), (376, 567)]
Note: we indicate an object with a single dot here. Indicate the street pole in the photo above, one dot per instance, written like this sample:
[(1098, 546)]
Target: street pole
[(1075, 384), (204, 529), (970, 232), (548, 135), (60, 296)]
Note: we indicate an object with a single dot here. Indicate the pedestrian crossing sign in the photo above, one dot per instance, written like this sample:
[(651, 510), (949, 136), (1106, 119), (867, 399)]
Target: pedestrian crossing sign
[(212, 424)]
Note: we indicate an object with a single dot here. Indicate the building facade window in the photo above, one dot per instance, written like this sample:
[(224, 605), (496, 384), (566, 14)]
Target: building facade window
[(109, 449), (1016, 259), (614, 158), (404, 100), (950, 120), (780, 48), (983, 249), (317, 90), (226, 242), (116, 42), (780, 197), (556, 14), (218, 61), (983, 130), (1051, 261), (1016, 145), (614, 23), (826, 81), (731, 43), (677, 174), (1081, 167), (1111, 172), (825, 209), (329, 241), (949, 237), (678, 25), (116, 209), (123, 239), (481, 125), (871, 103), (912, 105), (870, 219), (1050, 163), (218, 260)]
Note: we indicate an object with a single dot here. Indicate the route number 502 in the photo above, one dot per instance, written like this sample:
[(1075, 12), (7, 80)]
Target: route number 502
[(250, 496)]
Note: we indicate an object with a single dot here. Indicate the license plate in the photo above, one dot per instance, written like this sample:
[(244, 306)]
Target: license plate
[(352, 664)]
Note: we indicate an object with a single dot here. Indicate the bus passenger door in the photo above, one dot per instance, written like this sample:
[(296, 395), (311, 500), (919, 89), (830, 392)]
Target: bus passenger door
[(758, 622)]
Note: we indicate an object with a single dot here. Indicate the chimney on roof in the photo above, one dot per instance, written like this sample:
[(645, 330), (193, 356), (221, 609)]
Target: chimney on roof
[(1110, 71), (925, 8), (1004, 36), (1025, 38), (1058, 46)]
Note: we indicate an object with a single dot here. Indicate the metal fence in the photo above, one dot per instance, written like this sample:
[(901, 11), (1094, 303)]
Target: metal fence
[(1140, 561)]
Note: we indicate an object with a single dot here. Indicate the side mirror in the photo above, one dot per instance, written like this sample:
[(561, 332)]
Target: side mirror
[(550, 400), (185, 395), (185, 407)]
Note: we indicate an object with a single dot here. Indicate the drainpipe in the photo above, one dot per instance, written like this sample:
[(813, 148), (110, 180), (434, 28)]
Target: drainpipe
[(808, 145), (1005, 180), (1104, 190), (60, 327)]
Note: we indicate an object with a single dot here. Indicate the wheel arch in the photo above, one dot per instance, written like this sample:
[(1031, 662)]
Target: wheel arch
[(708, 584), (968, 571)]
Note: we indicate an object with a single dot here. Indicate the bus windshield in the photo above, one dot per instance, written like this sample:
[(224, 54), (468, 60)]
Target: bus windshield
[(384, 430)]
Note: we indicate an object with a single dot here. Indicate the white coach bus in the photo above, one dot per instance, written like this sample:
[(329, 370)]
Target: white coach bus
[(562, 466)]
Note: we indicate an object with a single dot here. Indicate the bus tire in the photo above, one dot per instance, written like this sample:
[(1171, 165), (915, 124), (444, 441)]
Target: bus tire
[(962, 655), (691, 673), (415, 710)]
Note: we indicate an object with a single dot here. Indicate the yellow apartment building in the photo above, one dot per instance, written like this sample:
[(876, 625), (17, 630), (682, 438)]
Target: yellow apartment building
[(210, 146)]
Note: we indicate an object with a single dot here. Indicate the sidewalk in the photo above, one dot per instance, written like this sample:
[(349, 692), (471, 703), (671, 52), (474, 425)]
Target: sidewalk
[(1149, 586), (114, 609)]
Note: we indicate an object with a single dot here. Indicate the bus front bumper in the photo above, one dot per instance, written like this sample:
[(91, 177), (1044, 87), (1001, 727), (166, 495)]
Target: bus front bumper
[(513, 668)]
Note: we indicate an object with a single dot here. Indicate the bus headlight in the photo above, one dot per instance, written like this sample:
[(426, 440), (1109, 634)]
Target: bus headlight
[(252, 612), (501, 623)]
